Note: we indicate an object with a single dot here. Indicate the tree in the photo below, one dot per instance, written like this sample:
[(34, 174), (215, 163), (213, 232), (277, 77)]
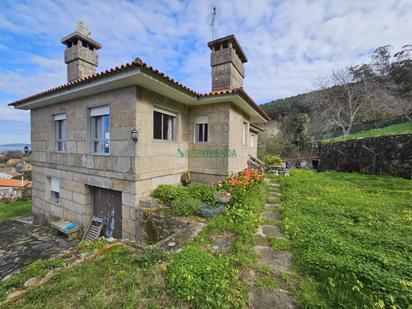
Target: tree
[(340, 100), (367, 92)]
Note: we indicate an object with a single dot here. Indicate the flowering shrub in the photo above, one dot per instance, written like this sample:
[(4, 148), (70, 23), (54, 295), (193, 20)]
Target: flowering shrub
[(238, 185)]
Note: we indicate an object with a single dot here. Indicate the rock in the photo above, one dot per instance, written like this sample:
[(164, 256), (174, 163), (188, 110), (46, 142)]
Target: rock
[(269, 299), (110, 239), (171, 244), (31, 282), (6, 278), (271, 215), (280, 261), (270, 231)]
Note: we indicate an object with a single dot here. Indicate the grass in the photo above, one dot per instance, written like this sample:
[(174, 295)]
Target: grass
[(400, 128), (352, 235), (125, 278), (15, 209), (112, 280)]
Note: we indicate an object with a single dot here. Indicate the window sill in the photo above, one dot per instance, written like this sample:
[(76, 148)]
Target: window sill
[(99, 154), (164, 141)]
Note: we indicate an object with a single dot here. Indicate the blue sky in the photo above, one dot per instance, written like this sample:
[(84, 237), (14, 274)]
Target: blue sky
[(289, 44)]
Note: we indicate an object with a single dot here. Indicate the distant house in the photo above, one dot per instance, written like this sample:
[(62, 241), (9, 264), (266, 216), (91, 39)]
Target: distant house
[(13, 188), (104, 141)]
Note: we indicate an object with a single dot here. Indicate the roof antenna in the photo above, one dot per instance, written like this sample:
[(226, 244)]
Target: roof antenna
[(212, 23)]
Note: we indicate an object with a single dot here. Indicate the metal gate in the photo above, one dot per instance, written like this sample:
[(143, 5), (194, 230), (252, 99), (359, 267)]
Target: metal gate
[(108, 205)]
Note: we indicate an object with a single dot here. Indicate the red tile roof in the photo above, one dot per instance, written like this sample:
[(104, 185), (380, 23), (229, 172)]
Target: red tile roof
[(138, 63), (4, 182)]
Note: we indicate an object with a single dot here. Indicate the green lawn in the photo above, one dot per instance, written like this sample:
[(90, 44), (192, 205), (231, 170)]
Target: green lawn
[(12, 210), (351, 234), (400, 128), (193, 278)]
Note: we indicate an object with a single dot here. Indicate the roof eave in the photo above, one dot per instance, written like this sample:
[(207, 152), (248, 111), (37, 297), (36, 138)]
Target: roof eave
[(134, 77), (239, 101)]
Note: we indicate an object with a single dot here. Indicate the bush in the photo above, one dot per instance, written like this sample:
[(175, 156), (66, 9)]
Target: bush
[(150, 257), (205, 280), (185, 206), (272, 160), (168, 193), (201, 192)]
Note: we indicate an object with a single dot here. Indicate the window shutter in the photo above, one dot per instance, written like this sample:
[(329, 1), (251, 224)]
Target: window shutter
[(60, 117), (99, 111), (55, 184)]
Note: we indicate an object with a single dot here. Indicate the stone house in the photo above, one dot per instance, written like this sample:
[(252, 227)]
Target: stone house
[(103, 141)]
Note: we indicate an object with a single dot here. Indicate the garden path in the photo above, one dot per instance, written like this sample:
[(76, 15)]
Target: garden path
[(277, 261)]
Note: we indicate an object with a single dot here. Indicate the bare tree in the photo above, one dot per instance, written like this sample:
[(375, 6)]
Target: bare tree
[(340, 100)]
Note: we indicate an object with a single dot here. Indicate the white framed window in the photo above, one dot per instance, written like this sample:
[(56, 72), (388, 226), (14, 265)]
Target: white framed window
[(100, 129), (60, 132), (55, 190), (201, 129), (164, 125), (252, 140), (244, 133)]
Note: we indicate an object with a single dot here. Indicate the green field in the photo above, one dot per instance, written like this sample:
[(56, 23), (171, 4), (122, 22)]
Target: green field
[(400, 128), (351, 234), (12, 210)]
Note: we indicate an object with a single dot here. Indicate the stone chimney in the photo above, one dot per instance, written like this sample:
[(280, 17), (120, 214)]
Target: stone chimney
[(227, 59), (80, 54)]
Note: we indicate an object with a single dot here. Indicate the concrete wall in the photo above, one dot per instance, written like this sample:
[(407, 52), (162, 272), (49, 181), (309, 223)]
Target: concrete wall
[(78, 169), (133, 168), (387, 155), (210, 169), (156, 160), (236, 120)]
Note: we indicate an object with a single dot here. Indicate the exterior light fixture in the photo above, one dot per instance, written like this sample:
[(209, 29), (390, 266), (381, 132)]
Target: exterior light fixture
[(135, 135)]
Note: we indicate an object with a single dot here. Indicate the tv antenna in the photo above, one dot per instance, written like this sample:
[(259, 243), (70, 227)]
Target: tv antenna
[(213, 21)]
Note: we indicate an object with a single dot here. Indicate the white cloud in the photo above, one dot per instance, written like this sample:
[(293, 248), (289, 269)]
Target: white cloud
[(288, 43), (7, 113)]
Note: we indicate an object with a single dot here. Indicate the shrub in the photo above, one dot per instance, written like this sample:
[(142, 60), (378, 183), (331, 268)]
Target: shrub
[(272, 160), (168, 193), (205, 280), (238, 186), (201, 192), (150, 257), (185, 206)]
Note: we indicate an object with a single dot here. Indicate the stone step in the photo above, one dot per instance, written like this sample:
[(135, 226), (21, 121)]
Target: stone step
[(274, 193), (272, 299), (279, 261), (271, 205), (270, 231), (271, 215)]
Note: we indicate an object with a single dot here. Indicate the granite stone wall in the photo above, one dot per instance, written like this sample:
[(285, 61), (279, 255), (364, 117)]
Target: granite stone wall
[(386, 155)]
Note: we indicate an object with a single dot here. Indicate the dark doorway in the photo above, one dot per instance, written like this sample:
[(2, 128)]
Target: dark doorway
[(108, 205)]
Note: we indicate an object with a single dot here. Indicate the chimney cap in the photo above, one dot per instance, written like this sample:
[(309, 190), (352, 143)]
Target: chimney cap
[(81, 36), (230, 38)]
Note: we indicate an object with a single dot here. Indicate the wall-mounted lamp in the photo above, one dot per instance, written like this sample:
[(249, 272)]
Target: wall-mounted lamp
[(135, 135)]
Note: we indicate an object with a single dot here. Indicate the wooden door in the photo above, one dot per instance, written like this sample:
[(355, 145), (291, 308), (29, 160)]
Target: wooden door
[(108, 205)]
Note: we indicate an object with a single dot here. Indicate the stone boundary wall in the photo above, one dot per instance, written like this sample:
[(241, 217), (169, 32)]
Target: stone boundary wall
[(386, 155)]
